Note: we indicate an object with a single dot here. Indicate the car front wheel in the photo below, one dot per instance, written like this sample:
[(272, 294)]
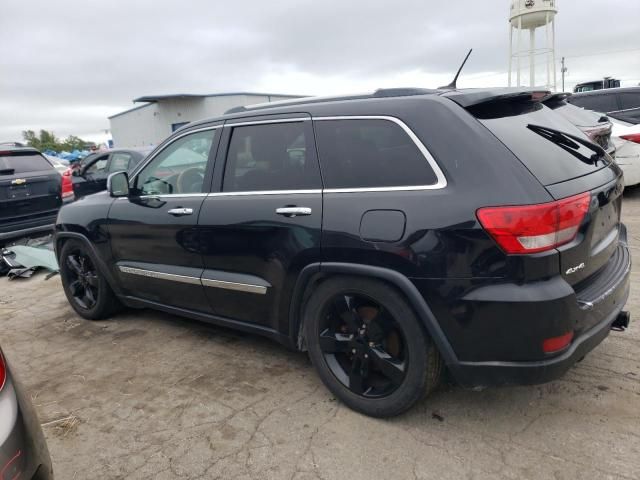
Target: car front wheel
[(85, 287)]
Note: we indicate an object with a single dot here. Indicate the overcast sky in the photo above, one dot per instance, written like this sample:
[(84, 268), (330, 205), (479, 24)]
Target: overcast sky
[(65, 65)]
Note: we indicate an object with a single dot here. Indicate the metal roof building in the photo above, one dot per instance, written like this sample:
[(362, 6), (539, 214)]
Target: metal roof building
[(160, 115)]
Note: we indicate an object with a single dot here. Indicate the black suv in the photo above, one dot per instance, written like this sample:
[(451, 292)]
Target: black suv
[(30, 192), (619, 103), (390, 235)]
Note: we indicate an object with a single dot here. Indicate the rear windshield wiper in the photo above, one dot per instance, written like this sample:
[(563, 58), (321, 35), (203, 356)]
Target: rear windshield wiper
[(7, 171), (571, 143)]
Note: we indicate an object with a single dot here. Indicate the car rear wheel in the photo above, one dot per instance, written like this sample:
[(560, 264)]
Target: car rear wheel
[(85, 287), (368, 346)]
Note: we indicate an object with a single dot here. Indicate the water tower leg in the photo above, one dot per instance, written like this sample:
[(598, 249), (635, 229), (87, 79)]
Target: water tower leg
[(510, 51), (548, 51), (532, 59), (518, 49), (553, 50)]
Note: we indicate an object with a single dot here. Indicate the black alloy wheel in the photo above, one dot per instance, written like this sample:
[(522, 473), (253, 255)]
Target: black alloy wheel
[(85, 286), (83, 279), (363, 345), (368, 345)]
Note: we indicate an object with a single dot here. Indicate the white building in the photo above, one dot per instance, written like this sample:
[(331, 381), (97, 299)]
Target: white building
[(160, 115)]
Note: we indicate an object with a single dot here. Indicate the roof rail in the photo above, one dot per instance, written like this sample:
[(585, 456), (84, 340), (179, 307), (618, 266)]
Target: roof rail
[(380, 93)]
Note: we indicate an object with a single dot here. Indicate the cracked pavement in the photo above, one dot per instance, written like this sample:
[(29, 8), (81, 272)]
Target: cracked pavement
[(150, 395)]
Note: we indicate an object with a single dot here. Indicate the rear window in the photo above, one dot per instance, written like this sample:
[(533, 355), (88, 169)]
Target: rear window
[(597, 103), (22, 162), (551, 158), (357, 153)]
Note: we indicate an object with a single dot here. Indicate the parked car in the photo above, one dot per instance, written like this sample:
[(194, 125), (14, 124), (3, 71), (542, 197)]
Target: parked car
[(474, 230), (619, 103), (594, 125), (626, 138), (91, 175), (30, 192), (23, 450), (59, 165), (606, 82)]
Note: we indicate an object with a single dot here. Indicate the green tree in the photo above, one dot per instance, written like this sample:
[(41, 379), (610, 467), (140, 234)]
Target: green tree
[(73, 143), (46, 140)]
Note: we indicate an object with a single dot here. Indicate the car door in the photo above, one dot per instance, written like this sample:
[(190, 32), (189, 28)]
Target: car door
[(629, 104), (92, 177), (154, 239), (262, 224)]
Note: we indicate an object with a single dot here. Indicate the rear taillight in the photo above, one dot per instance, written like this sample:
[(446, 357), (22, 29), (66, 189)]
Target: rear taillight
[(555, 344), (535, 228), (3, 372), (632, 137), (67, 184)]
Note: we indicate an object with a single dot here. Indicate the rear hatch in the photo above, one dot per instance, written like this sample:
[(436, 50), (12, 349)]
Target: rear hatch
[(30, 187), (567, 163)]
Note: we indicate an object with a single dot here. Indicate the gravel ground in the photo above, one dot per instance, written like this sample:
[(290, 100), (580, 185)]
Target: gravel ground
[(149, 395)]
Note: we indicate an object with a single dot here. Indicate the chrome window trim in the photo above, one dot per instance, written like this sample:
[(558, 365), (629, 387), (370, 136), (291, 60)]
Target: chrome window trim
[(164, 145), (265, 192), (174, 195), (240, 287), (160, 275), (161, 196), (412, 188), (441, 181), (265, 122), (205, 282)]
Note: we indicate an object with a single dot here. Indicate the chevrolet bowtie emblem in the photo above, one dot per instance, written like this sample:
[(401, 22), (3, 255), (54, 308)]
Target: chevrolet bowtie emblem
[(19, 181)]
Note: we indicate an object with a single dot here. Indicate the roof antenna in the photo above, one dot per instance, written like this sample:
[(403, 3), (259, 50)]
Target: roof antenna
[(452, 85)]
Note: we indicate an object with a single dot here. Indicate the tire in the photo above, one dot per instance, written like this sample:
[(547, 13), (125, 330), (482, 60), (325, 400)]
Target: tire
[(79, 272), (413, 351)]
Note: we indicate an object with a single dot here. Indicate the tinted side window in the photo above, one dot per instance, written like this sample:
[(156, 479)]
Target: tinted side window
[(597, 103), (368, 154), (277, 156), (629, 100), (179, 168)]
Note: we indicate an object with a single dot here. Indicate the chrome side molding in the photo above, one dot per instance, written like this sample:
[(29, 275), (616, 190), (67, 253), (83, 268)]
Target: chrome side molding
[(205, 282)]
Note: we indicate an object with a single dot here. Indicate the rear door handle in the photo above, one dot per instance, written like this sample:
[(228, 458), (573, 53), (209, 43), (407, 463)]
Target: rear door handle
[(293, 211), (179, 212)]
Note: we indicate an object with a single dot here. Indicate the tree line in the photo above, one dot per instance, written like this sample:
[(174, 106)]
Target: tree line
[(48, 141)]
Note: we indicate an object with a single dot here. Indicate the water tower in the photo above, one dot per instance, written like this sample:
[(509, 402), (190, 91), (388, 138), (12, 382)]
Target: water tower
[(531, 15)]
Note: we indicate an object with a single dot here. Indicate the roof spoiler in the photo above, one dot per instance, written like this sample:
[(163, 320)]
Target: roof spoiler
[(472, 97)]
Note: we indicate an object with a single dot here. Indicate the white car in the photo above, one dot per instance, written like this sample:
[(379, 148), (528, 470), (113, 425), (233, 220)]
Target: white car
[(626, 138), (59, 165)]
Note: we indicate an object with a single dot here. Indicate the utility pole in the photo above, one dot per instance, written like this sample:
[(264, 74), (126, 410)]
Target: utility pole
[(563, 70)]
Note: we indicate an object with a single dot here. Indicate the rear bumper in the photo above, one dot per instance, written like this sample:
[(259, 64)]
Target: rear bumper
[(589, 320), (22, 229), (474, 374)]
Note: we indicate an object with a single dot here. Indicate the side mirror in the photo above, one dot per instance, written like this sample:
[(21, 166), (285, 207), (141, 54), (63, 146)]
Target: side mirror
[(75, 172), (118, 184)]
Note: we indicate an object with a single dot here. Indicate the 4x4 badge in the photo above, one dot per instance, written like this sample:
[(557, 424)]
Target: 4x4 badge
[(19, 181), (575, 269)]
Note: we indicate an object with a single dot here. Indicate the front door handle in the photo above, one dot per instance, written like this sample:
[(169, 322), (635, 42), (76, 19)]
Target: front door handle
[(179, 212), (293, 211)]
